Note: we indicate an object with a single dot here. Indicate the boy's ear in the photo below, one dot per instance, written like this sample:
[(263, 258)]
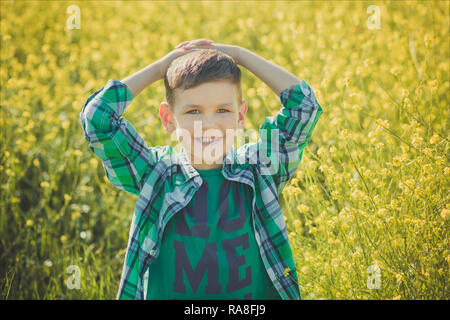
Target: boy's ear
[(242, 112), (166, 117)]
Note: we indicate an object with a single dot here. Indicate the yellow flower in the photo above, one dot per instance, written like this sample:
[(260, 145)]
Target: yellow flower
[(396, 161), (332, 222), (445, 213), (65, 124), (297, 223), (324, 168), (45, 184), (63, 238), (335, 262), (433, 84), (313, 164), (93, 162), (76, 215), (418, 192), (395, 70), (397, 242), (416, 140), (314, 188), (29, 223), (428, 39), (382, 123), (439, 160), (321, 151), (410, 182), (347, 82), (397, 298), (67, 197), (286, 271), (447, 171), (36, 162), (302, 208), (426, 274), (428, 151), (434, 139), (367, 62), (427, 168), (405, 92), (345, 133), (77, 153)]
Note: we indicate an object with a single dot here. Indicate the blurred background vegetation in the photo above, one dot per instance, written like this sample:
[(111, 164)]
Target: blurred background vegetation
[(368, 209)]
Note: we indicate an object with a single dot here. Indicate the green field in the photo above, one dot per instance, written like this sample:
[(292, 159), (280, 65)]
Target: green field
[(368, 211)]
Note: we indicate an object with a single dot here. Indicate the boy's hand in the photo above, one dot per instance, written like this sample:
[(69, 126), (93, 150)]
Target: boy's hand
[(193, 43), (187, 46), (165, 61), (180, 50), (209, 44)]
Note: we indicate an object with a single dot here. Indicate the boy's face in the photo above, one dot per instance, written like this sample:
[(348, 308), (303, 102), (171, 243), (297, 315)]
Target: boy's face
[(210, 110)]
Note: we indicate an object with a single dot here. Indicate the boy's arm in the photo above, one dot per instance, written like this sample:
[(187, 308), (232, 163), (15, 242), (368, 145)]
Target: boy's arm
[(124, 154), (295, 121), (276, 77), (140, 80)]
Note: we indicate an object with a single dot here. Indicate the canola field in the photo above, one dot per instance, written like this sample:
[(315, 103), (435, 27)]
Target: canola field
[(368, 210)]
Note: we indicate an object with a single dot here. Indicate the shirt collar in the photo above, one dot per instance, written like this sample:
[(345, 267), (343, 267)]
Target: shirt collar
[(189, 172)]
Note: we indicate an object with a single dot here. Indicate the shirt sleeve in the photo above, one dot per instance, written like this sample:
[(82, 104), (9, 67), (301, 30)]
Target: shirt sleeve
[(284, 136), (124, 154)]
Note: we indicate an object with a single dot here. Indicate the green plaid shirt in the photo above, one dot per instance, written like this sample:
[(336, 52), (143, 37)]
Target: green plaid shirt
[(165, 181)]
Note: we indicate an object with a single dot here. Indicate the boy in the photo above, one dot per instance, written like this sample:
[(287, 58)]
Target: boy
[(207, 223)]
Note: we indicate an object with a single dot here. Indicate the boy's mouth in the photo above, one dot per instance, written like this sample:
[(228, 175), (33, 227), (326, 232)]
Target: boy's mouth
[(208, 141)]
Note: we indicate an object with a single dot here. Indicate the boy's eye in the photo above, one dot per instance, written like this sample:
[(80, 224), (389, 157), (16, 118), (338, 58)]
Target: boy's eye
[(190, 112)]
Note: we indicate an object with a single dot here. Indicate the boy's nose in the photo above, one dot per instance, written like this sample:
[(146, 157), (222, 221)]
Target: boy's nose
[(209, 122), (208, 128)]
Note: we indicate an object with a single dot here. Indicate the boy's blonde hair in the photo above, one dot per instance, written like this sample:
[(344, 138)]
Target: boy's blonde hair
[(200, 66)]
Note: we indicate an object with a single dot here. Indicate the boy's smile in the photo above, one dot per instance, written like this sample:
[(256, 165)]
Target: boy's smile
[(205, 119)]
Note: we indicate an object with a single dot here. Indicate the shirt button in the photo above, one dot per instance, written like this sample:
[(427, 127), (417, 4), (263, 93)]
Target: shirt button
[(152, 252)]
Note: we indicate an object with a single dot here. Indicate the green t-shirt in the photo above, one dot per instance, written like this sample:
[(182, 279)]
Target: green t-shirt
[(208, 249)]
